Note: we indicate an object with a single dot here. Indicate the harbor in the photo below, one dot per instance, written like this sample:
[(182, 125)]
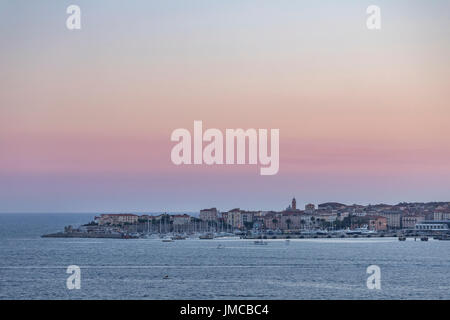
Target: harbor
[(420, 221), (118, 233)]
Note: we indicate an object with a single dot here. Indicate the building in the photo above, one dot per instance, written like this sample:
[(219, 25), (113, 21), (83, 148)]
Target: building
[(258, 221), (342, 215), (181, 219), (224, 217), (208, 214), (377, 223), (234, 218), (394, 220), (431, 226), (272, 220), (327, 216), (307, 221), (247, 217), (292, 206), (117, 219), (289, 221), (410, 221), (309, 208), (441, 215), (359, 213)]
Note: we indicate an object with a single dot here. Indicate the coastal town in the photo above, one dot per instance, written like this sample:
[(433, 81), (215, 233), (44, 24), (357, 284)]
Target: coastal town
[(329, 219)]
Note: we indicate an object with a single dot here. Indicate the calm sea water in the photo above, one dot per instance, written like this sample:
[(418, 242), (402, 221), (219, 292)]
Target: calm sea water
[(35, 268)]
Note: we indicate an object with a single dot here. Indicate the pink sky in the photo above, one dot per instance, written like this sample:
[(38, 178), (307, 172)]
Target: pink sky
[(86, 116)]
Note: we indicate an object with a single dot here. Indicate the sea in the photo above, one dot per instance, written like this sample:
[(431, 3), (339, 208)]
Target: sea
[(32, 267)]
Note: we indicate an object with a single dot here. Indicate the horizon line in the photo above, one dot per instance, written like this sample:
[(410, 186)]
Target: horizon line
[(198, 210)]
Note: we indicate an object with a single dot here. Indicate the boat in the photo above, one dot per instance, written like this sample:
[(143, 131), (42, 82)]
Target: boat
[(220, 246), (149, 236), (129, 236), (443, 237), (178, 237), (358, 231), (260, 242), (206, 236), (224, 235), (424, 239), (167, 240), (401, 238)]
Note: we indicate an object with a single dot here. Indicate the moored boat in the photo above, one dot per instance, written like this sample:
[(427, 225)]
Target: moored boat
[(206, 236), (260, 242), (443, 237)]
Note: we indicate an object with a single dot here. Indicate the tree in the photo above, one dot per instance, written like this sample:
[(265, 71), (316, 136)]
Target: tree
[(302, 222), (275, 221), (288, 222)]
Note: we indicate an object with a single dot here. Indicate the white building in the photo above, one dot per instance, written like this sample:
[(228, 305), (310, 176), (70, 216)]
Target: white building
[(431, 227), (181, 219), (120, 218)]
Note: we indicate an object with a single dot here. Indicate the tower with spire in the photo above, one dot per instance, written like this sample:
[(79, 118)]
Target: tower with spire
[(294, 204)]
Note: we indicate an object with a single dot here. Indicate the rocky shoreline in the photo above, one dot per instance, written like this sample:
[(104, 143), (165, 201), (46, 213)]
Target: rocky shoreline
[(85, 235)]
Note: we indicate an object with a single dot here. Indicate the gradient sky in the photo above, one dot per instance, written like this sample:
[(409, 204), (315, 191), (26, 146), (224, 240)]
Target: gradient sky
[(86, 116)]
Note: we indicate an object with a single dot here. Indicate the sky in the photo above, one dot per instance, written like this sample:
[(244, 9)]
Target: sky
[(86, 115)]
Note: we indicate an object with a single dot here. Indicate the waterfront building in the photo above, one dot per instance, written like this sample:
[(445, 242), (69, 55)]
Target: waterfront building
[(441, 214), (224, 217), (234, 218), (247, 217), (307, 221), (410, 221), (290, 221), (208, 214), (272, 220), (257, 214), (377, 223), (393, 219), (431, 226)]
